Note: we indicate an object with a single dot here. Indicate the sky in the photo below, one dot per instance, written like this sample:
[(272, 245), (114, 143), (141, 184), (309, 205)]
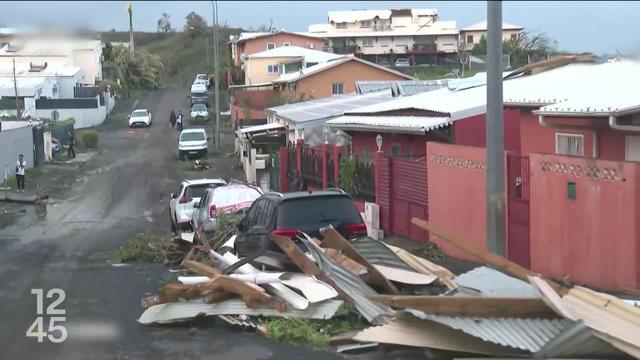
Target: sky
[(596, 26)]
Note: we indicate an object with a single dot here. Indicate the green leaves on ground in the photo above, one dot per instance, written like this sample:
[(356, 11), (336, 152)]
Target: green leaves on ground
[(141, 249), (430, 251)]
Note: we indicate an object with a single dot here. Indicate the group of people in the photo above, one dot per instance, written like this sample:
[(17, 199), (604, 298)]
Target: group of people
[(177, 121)]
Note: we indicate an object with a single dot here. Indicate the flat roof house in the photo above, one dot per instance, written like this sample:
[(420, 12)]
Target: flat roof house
[(249, 43)]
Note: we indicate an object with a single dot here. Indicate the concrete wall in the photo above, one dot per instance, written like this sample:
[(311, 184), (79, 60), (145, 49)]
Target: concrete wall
[(318, 85), (256, 70), (595, 239), (472, 131), (361, 140), (14, 142), (457, 194), (383, 45)]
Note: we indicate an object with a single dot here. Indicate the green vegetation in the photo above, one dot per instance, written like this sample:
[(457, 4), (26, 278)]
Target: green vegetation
[(526, 47), (315, 333), (348, 174), (226, 226), (89, 139), (142, 72), (30, 174), (430, 251), (141, 249)]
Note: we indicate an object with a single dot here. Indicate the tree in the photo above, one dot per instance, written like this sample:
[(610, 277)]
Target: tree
[(164, 23), (196, 24), (523, 49), (266, 28)]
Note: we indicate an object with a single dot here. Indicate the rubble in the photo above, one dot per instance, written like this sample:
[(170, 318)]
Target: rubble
[(484, 312)]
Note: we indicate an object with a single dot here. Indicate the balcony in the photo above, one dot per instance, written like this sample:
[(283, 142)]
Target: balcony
[(352, 49), (425, 48)]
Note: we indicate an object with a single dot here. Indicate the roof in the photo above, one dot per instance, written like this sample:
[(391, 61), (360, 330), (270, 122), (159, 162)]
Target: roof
[(333, 63), (400, 87), (27, 86), (357, 15), (50, 71), (260, 128), (491, 282), (437, 28), (482, 26), (405, 124), (328, 107), (309, 55), (255, 35), (616, 102), (203, 181), (304, 194)]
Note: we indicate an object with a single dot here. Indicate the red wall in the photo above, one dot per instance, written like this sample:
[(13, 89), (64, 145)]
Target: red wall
[(457, 194), (367, 140), (472, 131), (595, 238)]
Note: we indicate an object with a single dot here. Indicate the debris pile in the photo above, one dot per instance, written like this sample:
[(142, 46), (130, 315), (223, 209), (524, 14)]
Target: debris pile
[(401, 299)]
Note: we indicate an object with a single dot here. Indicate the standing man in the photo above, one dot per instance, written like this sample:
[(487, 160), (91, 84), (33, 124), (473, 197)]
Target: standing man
[(179, 124), (72, 144), (21, 165)]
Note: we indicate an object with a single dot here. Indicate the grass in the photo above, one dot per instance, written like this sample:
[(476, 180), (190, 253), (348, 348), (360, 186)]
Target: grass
[(29, 174), (139, 250), (315, 333), (438, 72)]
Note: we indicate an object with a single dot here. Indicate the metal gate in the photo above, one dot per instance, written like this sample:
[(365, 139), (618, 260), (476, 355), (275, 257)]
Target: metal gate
[(518, 183), (38, 146), (274, 173)]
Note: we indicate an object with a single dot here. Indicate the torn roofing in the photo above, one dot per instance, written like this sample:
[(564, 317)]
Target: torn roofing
[(379, 254), (494, 283), (180, 311), (351, 284)]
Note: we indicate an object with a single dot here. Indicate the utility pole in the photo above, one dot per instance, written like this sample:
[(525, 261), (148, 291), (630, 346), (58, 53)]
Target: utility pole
[(216, 78), (130, 31), (495, 132), (15, 89)]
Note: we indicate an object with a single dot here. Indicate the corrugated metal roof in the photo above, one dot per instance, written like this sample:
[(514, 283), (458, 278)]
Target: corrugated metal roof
[(378, 253), (328, 107), (578, 341), (351, 284), (401, 87), (494, 283), (180, 311), (525, 334), (295, 76), (413, 124)]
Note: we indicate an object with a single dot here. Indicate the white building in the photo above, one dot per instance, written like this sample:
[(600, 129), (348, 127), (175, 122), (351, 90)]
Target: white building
[(384, 35), (471, 35)]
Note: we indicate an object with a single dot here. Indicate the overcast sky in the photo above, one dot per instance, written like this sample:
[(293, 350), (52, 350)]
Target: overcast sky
[(598, 26)]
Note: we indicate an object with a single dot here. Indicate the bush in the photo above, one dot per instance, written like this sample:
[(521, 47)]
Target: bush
[(90, 139)]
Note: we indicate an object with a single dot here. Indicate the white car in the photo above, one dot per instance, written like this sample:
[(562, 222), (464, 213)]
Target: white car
[(199, 82), (140, 117), (199, 111), (192, 142), (402, 62), (181, 203), (224, 199), (202, 77)]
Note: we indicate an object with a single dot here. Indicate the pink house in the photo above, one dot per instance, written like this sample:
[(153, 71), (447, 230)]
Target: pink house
[(251, 43)]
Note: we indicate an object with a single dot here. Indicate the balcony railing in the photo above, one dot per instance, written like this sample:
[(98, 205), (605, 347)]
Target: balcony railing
[(345, 49), (425, 48)]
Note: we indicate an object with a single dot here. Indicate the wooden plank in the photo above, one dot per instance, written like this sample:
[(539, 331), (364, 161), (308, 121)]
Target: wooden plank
[(332, 239), (425, 266), (201, 268), (497, 261), (470, 306), (252, 294)]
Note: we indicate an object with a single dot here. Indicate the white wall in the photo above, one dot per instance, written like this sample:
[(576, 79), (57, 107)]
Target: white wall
[(14, 142), (447, 43)]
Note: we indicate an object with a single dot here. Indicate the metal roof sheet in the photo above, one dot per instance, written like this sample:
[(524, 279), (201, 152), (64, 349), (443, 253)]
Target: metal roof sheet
[(264, 127), (180, 311), (491, 282), (328, 107), (400, 87), (378, 253), (578, 341), (295, 76), (413, 124), (351, 284), (524, 334)]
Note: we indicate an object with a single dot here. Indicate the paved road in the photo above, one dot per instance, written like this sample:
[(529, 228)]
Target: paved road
[(69, 244)]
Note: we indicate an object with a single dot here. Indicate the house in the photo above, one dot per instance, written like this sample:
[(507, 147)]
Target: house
[(382, 36), (66, 78), (249, 43), (471, 35), (27, 53), (267, 66), (335, 77)]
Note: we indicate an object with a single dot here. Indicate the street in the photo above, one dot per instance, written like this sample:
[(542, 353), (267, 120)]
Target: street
[(68, 245)]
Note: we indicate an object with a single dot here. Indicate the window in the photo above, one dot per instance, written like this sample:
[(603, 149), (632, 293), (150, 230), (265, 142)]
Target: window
[(309, 45), (365, 23), (325, 43), (395, 149), (286, 44), (364, 152), (271, 46), (514, 37), (337, 88), (341, 25), (367, 42), (469, 39), (273, 69), (569, 144)]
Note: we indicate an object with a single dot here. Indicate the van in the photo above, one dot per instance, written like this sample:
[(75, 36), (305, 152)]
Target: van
[(199, 94)]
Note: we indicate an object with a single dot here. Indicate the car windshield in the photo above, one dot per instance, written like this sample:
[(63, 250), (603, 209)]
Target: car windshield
[(199, 107), (196, 190), (191, 136), (202, 77), (313, 212), (139, 113)]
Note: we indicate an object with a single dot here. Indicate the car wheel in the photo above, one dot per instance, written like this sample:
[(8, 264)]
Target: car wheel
[(174, 228)]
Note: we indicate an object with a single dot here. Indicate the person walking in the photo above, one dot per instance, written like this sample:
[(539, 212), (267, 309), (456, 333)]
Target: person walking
[(21, 165), (72, 146), (179, 121), (172, 119)]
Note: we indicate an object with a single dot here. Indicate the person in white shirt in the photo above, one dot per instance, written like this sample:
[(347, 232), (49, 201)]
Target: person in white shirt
[(21, 165)]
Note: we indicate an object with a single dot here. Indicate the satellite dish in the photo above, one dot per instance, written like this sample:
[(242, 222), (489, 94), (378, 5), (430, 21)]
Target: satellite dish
[(231, 37), (55, 115)]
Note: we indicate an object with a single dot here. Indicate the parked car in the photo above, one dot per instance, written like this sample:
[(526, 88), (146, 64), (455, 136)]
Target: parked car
[(199, 111), (55, 144), (225, 199), (140, 117), (402, 62), (201, 77), (199, 82), (199, 94), (288, 214), (192, 142), (182, 201)]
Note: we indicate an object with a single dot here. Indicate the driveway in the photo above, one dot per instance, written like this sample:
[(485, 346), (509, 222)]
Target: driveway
[(122, 191)]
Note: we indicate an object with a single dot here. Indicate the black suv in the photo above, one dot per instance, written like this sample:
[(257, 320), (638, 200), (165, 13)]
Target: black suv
[(290, 213)]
